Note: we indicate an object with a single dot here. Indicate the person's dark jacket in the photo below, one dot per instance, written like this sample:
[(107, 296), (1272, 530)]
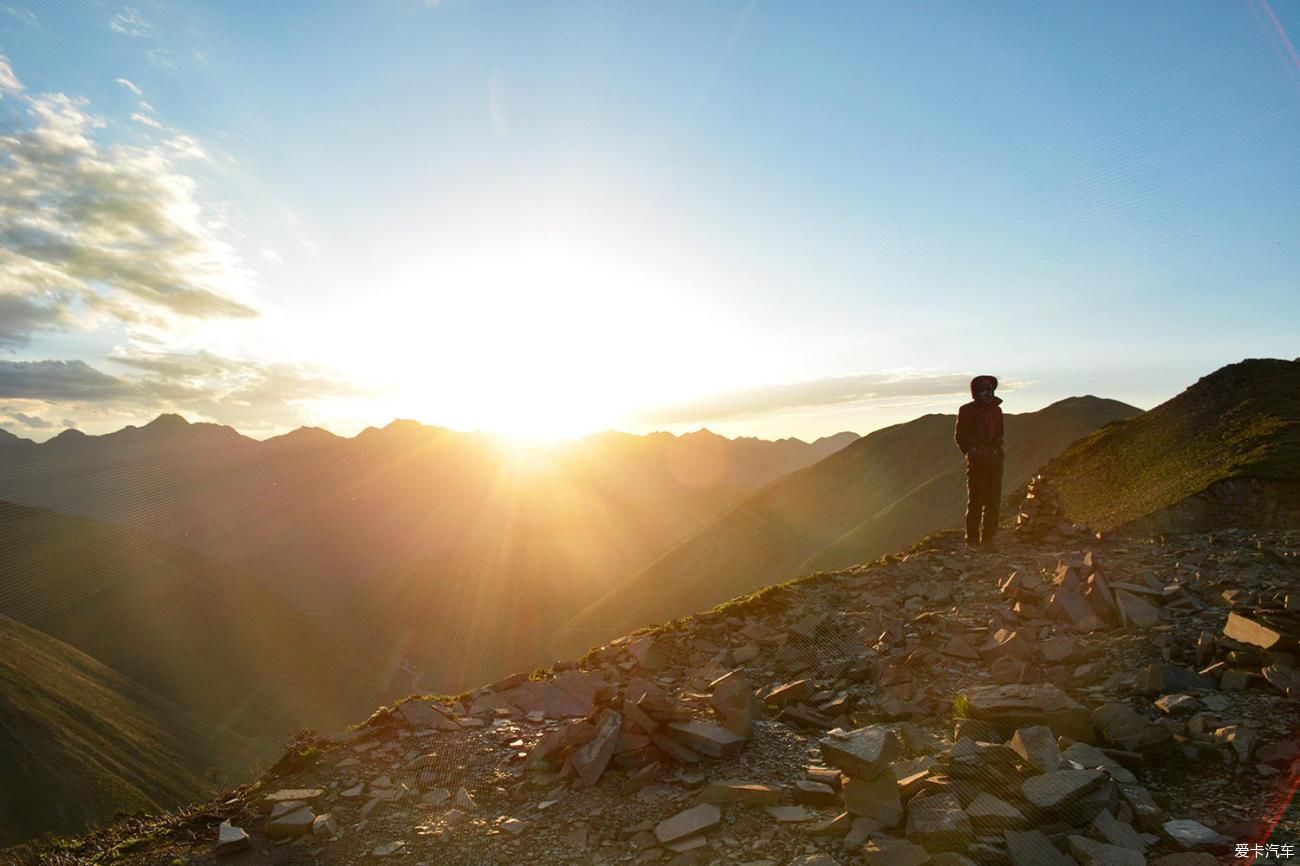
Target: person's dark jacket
[(979, 427)]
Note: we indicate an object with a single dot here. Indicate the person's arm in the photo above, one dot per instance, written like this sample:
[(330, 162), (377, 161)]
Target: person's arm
[(999, 426), (963, 431)]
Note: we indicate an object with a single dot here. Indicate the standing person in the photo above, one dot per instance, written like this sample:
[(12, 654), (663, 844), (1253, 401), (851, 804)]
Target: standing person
[(979, 436)]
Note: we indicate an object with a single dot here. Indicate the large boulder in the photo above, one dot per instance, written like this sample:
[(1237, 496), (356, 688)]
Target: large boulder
[(1059, 790), (938, 822), (863, 753), (1025, 705)]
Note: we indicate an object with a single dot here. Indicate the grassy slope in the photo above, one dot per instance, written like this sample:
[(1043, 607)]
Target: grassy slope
[(878, 494), (192, 630), (78, 741), (1242, 421)]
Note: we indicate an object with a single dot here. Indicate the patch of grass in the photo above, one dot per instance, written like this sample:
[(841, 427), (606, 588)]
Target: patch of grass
[(961, 707), (1242, 421)]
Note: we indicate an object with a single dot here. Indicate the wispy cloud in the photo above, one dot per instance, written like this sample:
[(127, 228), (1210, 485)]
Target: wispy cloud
[(9, 82), (866, 388), (117, 229), (21, 419), (129, 22), (26, 16), (252, 394), (131, 86), (163, 58), (23, 317)]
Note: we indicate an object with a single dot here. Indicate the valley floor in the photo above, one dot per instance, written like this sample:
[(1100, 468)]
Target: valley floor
[(1143, 752)]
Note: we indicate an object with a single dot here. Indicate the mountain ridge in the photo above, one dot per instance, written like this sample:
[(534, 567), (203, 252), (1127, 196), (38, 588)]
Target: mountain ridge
[(821, 517), (1177, 464)]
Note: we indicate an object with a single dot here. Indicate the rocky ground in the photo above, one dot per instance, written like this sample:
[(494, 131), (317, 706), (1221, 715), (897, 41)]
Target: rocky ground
[(1063, 700)]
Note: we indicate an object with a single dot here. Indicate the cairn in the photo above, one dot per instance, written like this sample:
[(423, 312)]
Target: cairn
[(1042, 518)]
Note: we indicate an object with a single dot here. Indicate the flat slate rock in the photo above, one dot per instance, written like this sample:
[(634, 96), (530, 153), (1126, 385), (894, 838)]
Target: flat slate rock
[(231, 838), (749, 793), (990, 814), (1033, 848), (707, 738), (1194, 836), (1021, 705), (1161, 678), (876, 798), (296, 822), (687, 823), (421, 714), (1037, 745), (1116, 832), (862, 753), (1061, 788), (591, 758), (1090, 852), (938, 822)]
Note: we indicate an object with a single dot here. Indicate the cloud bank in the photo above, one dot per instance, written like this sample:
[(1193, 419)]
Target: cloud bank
[(815, 393), (248, 394)]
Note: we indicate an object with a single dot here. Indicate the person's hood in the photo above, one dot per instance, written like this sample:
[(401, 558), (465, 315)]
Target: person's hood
[(991, 381)]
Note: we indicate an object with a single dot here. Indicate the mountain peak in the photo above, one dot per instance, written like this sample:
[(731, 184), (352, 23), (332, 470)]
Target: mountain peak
[(167, 421)]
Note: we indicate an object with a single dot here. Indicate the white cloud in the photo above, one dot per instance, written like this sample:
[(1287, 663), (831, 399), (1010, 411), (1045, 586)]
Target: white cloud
[(861, 389), (114, 231), (146, 120), (26, 16), (129, 22), (131, 86), (8, 81), (249, 394), (272, 256)]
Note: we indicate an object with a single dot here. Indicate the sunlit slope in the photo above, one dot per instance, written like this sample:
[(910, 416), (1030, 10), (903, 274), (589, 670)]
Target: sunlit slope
[(879, 494), (1240, 423), (78, 741), (410, 537), (196, 632)]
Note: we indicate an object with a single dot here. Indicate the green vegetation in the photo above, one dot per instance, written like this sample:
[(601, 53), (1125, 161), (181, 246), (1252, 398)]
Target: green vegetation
[(79, 741), (1241, 422)]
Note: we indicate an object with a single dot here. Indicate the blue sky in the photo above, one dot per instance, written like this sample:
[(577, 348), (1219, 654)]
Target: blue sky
[(549, 218)]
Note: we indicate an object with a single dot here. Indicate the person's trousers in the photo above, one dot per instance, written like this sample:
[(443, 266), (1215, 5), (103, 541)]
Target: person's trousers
[(983, 494)]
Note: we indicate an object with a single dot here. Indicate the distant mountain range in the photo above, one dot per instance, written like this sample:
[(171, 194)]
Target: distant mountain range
[(458, 552), (876, 496)]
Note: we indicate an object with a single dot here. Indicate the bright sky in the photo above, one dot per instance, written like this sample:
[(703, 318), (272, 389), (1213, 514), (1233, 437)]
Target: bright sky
[(768, 218)]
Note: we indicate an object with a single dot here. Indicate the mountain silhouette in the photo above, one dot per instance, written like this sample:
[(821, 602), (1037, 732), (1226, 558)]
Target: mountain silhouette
[(879, 494)]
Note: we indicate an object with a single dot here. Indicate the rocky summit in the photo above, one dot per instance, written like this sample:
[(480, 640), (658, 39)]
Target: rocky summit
[(1067, 699)]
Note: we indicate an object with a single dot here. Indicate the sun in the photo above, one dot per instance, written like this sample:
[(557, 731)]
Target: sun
[(539, 344)]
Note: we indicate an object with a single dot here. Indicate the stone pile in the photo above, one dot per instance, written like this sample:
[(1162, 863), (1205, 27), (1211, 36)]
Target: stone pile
[(1259, 646), (1125, 704), (648, 731), (1042, 519), (1081, 595)]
